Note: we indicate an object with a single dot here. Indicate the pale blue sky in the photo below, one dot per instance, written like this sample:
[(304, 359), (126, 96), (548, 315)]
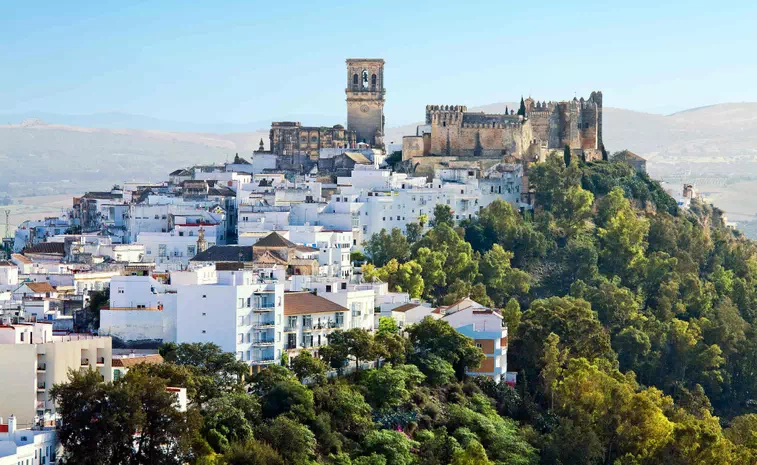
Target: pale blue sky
[(238, 62)]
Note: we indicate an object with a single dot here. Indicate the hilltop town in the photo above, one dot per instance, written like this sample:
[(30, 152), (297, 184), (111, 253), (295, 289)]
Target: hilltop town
[(324, 270)]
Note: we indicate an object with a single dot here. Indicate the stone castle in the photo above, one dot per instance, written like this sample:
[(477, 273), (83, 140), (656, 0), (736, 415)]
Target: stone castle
[(449, 130), (541, 127)]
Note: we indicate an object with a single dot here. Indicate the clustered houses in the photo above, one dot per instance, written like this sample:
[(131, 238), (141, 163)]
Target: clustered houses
[(257, 262)]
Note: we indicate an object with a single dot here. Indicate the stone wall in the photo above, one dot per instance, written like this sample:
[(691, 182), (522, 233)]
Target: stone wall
[(412, 146)]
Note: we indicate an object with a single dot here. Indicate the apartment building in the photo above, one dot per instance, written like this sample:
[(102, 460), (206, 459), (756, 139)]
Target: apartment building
[(234, 309), (33, 358), (309, 319)]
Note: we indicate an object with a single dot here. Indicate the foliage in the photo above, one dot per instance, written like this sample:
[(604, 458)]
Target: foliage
[(383, 247)]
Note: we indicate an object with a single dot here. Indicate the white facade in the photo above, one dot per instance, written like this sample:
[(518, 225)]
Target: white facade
[(141, 309), (170, 251), (8, 274), (237, 312), (26, 446)]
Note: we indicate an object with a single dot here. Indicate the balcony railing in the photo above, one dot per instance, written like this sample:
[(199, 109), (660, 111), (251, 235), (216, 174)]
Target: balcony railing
[(290, 329), (41, 386), (101, 360), (85, 362), (263, 342), (264, 325), (41, 366), (291, 346)]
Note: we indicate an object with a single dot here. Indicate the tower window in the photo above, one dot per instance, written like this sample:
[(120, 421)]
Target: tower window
[(354, 80), (373, 82)]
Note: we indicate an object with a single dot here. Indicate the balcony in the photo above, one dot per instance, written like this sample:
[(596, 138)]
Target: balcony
[(101, 360), (85, 362), (263, 342), (264, 325), (265, 361), (290, 329), (41, 366), (264, 307), (41, 386), (291, 347)]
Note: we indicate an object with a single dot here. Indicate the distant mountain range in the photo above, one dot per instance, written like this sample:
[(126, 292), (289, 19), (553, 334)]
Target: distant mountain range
[(47, 154)]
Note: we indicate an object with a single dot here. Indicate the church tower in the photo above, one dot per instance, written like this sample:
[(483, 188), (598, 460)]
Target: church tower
[(365, 99)]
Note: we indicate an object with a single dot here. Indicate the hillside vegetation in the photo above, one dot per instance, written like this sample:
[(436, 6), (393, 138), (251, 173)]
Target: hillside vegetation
[(632, 327)]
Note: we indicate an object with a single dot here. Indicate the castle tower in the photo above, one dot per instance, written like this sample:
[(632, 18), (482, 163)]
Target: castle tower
[(365, 99)]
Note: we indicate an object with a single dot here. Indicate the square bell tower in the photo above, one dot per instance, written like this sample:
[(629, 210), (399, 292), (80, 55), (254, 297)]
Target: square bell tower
[(365, 99)]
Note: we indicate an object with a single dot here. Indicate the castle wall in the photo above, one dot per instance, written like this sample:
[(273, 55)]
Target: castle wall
[(412, 146)]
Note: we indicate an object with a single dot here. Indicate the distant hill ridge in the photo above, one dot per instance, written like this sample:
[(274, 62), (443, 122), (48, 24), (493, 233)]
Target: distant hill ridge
[(719, 139)]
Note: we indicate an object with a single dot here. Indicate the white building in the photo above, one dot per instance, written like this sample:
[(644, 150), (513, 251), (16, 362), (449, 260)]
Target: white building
[(486, 328), (8, 274), (171, 250), (141, 309), (233, 309), (26, 446), (33, 358)]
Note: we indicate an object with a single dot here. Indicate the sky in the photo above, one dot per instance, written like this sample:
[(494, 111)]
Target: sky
[(238, 62)]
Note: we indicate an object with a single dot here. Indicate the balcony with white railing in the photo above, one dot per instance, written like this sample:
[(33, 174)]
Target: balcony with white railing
[(263, 342), (263, 325)]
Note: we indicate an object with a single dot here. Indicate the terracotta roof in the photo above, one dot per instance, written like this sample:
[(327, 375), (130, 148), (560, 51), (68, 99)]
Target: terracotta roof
[(305, 303), (275, 240), (21, 258), (225, 253), (304, 248), (303, 261), (405, 307), (39, 288), (57, 248), (133, 361), (6, 263), (268, 258)]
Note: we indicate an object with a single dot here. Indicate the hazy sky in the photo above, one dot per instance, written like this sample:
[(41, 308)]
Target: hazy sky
[(246, 61)]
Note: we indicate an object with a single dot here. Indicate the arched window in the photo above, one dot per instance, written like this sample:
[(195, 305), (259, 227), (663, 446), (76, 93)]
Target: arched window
[(373, 82), (355, 79)]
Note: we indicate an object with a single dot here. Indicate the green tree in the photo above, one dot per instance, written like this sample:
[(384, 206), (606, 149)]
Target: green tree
[(305, 366), (390, 387), (414, 232), (229, 419), (474, 454), (566, 155), (501, 280), (360, 345), (292, 440), (522, 108), (392, 445), (443, 215), (383, 247), (251, 452), (437, 337)]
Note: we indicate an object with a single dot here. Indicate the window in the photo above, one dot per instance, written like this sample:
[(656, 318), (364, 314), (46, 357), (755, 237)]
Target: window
[(240, 321), (204, 314), (120, 290), (204, 296), (240, 355), (240, 338), (248, 355), (479, 345), (241, 303), (203, 331)]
